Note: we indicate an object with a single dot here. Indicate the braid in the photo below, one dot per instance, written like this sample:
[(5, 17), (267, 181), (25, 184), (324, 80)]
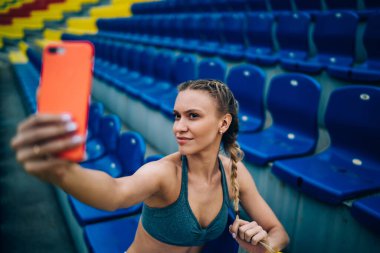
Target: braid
[(226, 104)]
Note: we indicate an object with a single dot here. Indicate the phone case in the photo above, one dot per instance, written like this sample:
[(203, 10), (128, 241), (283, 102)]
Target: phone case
[(65, 85)]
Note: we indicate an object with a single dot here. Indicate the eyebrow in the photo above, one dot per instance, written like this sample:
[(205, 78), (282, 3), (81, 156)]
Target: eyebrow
[(188, 111)]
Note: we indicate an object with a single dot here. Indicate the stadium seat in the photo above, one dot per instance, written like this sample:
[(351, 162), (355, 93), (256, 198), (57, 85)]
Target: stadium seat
[(247, 83), (259, 36), (95, 114), (111, 236), (293, 36), (349, 167), (212, 68), (368, 71), (210, 30), (292, 101), (257, 5), (123, 161), (307, 5), (233, 28), (239, 5), (109, 131), (281, 5), (191, 33), (152, 158), (334, 36), (367, 212), (342, 5)]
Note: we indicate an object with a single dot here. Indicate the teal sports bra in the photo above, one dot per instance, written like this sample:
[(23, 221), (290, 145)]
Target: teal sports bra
[(176, 223)]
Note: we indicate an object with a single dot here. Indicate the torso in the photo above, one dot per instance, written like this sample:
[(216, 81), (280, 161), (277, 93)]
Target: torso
[(204, 206)]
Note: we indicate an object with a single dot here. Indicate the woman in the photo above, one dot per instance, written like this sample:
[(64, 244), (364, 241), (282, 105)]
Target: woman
[(185, 194)]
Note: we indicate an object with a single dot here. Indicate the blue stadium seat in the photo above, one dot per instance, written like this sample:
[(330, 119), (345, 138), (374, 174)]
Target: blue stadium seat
[(111, 236), (212, 68), (210, 29), (257, 5), (367, 212), (349, 167), (124, 161), (292, 101), (369, 70), (109, 131), (281, 5), (192, 35), (293, 36), (184, 69), (370, 7), (247, 83), (233, 28), (95, 114), (307, 5), (35, 58), (342, 5), (239, 5), (259, 36), (334, 36), (200, 5)]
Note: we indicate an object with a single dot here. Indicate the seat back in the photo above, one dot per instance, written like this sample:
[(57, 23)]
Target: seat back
[(341, 5), (233, 28), (184, 68), (147, 61), (371, 40), (281, 5), (95, 114), (293, 101), (247, 84), (335, 36), (303, 5), (353, 122), (257, 5), (210, 27), (191, 26), (212, 68), (109, 131), (130, 152), (372, 4), (163, 65), (259, 30), (293, 34)]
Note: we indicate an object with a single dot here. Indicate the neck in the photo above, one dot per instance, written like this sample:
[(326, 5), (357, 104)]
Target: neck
[(203, 165)]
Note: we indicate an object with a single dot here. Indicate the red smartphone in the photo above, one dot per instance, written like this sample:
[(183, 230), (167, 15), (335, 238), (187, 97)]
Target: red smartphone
[(65, 86)]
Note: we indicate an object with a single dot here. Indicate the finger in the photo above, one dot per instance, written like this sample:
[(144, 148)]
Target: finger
[(251, 232), (235, 226), (262, 235), (42, 164), (43, 133), (38, 119), (52, 147)]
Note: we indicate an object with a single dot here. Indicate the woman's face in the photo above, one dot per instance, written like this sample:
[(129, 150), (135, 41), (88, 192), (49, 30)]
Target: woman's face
[(197, 122)]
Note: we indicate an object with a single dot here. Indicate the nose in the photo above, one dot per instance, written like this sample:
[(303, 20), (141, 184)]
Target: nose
[(180, 126)]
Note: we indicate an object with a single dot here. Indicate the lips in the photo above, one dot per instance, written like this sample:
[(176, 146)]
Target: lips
[(183, 140)]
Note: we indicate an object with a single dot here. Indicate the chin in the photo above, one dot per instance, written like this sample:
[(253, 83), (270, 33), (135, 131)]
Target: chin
[(186, 150)]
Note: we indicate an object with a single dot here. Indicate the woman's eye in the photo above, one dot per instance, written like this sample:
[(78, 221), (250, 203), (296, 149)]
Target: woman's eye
[(193, 115), (176, 116)]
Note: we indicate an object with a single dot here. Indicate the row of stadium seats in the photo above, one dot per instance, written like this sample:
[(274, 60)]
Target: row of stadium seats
[(183, 6), (250, 36)]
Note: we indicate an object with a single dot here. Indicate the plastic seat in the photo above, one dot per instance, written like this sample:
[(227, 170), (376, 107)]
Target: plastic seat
[(367, 212), (349, 167), (334, 36), (257, 5), (371, 7), (292, 101), (239, 5), (259, 36), (342, 5), (210, 30), (307, 5), (124, 161), (153, 158), (233, 32), (191, 33), (111, 236), (212, 68), (280, 5), (293, 36), (95, 114), (370, 70), (247, 83), (109, 131)]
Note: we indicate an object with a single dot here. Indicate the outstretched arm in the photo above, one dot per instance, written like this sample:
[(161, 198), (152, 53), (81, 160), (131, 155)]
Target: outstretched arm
[(42, 136)]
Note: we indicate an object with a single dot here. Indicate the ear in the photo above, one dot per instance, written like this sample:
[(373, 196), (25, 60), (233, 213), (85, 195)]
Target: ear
[(225, 123)]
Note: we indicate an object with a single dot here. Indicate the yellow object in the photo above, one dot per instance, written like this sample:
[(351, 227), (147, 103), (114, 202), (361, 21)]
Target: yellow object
[(17, 57), (11, 32), (23, 46), (51, 34), (82, 25)]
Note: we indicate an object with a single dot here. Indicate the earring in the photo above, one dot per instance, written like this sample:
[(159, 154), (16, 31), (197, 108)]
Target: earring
[(220, 132)]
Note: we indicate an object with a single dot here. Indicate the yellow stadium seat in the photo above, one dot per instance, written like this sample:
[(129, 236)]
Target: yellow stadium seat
[(17, 57), (82, 25), (11, 32)]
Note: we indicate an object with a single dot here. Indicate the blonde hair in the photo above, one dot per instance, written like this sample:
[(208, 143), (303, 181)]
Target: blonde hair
[(226, 104)]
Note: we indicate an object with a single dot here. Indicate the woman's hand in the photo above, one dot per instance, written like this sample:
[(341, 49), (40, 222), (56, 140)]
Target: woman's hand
[(249, 235), (38, 141)]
